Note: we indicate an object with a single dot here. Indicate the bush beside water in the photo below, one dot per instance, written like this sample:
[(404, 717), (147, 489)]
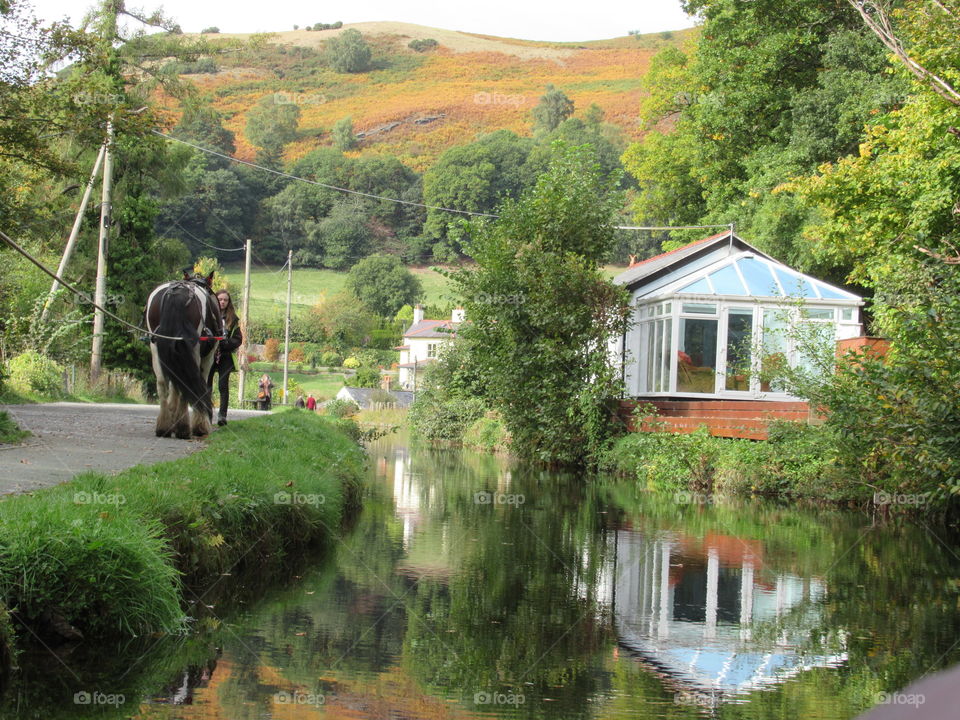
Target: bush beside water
[(110, 555)]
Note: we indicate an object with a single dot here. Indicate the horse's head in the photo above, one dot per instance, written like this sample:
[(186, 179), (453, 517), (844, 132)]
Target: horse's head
[(198, 278)]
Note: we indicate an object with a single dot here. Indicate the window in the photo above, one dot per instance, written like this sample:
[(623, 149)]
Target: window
[(846, 314), (699, 308), (432, 350), (697, 355), (739, 348)]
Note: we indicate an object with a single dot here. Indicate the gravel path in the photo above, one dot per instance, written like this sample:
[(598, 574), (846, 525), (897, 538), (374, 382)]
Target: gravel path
[(71, 438)]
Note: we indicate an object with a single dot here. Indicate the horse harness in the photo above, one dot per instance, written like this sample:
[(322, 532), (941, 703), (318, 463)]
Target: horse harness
[(203, 295)]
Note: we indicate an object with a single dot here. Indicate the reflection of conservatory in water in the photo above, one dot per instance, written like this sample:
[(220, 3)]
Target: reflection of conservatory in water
[(712, 618), (715, 316)]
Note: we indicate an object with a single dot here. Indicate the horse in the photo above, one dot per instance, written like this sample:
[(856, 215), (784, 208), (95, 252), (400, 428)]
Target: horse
[(184, 328)]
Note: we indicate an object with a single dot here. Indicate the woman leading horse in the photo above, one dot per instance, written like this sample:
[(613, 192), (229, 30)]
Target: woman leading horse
[(223, 362), (183, 320)]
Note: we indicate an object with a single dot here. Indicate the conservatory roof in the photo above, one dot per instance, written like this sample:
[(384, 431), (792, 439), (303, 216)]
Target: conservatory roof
[(748, 274), (724, 265)]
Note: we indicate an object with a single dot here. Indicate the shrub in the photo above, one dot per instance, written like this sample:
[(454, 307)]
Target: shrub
[(36, 374), (366, 377), (487, 433), (331, 359), (340, 408), (348, 52), (271, 350), (297, 355), (351, 362), (211, 29), (9, 431), (423, 45)]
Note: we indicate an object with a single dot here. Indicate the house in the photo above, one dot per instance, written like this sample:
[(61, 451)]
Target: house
[(364, 398), (422, 342), (714, 319)]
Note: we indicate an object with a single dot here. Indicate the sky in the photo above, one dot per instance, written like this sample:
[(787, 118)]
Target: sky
[(526, 19)]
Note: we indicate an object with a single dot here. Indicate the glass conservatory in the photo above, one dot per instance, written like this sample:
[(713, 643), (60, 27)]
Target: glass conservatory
[(718, 317)]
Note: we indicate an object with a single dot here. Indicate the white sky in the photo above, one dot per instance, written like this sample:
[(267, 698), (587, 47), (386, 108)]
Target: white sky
[(529, 20)]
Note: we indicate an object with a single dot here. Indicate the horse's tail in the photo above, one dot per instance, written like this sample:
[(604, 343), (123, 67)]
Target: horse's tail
[(176, 357)]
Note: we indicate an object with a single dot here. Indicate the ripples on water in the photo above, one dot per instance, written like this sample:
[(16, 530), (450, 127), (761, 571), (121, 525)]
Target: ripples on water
[(473, 587)]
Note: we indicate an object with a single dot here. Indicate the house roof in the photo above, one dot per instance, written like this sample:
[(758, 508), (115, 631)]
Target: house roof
[(637, 272), (432, 329), (725, 265), (417, 363), (402, 347), (362, 397)]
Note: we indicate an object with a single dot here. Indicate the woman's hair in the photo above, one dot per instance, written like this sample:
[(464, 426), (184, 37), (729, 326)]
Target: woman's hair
[(229, 312)]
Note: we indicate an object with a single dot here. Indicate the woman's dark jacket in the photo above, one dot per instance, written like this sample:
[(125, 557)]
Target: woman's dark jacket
[(232, 339)]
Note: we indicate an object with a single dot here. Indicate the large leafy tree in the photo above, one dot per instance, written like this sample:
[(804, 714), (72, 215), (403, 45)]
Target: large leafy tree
[(541, 314), (554, 107), (348, 52), (384, 285), (271, 124)]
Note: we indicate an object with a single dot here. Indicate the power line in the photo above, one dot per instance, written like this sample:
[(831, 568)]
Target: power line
[(84, 296)]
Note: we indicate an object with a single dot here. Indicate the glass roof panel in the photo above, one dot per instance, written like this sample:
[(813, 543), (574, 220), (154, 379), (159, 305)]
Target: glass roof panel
[(727, 282), (759, 279), (700, 286), (795, 285), (829, 293)]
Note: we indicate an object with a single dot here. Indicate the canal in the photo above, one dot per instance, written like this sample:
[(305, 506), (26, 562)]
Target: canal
[(471, 586)]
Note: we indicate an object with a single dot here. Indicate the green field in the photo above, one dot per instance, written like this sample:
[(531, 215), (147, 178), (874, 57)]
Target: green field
[(268, 288)]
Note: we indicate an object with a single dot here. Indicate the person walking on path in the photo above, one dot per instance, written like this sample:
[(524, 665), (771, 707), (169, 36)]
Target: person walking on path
[(223, 362), (311, 402), (299, 403)]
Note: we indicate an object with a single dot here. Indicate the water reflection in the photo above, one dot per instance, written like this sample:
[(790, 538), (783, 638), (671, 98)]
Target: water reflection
[(709, 615), (472, 587)]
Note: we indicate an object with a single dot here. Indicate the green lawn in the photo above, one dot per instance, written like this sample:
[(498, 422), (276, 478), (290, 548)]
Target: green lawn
[(268, 288)]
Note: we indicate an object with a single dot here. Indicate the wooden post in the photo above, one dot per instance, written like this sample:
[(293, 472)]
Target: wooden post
[(286, 333), (96, 353), (244, 323)]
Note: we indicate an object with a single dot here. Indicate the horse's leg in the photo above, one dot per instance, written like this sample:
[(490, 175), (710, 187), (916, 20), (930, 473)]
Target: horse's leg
[(203, 406), (181, 410), (164, 426)]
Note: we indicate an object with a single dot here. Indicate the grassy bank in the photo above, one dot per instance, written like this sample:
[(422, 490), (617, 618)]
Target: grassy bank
[(120, 555), (9, 431), (796, 461)]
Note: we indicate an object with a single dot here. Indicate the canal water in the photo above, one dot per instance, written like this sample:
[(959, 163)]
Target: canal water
[(473, 587)]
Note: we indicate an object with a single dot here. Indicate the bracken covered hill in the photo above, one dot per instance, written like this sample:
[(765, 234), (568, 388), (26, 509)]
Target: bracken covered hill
[(414, 105)]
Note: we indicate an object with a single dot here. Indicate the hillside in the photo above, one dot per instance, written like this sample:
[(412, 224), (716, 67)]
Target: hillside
[(415, 105)]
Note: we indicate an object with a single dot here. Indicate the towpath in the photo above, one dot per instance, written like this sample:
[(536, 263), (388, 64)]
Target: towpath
[(71, 438)]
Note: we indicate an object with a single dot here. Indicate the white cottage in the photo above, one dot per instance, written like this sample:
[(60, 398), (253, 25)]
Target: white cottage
[(709, 317), (422, 342)]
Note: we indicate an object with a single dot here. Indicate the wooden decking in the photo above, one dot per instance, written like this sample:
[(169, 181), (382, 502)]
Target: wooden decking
[(723, 418)]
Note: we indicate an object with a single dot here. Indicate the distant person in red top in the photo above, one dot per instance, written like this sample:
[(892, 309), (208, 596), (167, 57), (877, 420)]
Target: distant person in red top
[(311, 402)]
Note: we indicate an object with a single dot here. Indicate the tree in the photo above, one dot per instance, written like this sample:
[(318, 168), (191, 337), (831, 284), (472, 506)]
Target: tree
[(272, 123), (384, 285), (542, 314), (344, 138), (348, 52), (554, 107), (344, 235)]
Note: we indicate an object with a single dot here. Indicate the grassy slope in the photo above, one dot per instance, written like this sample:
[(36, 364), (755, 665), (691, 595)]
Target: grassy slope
[(106, 552), (268, 288), (477, 83)]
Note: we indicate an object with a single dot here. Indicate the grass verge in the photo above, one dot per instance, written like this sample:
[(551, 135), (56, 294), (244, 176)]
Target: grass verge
[(114, 555), (10, 433)]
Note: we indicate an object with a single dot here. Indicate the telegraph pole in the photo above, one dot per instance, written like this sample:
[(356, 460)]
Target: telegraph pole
[(74, 231), (244, 322), (96, 354), (286, 334)]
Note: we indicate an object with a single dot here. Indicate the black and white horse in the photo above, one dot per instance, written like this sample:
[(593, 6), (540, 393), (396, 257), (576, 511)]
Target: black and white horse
[(183, 319)]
